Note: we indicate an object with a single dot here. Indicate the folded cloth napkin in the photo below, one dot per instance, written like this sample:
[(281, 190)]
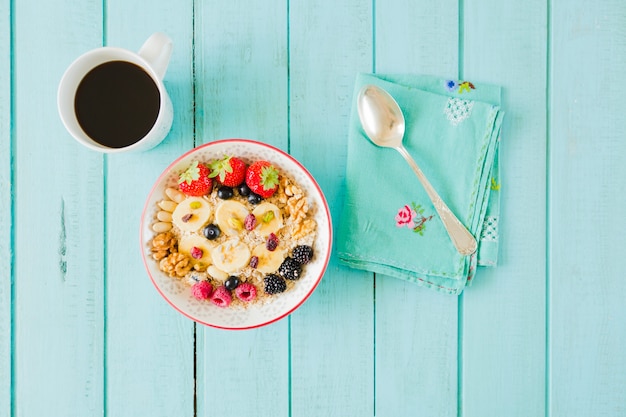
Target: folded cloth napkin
[(388, 224)]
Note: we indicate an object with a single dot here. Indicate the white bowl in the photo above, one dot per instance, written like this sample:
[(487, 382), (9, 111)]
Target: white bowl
[(178, 294)]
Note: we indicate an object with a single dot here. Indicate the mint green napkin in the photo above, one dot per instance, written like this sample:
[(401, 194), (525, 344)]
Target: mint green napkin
[(388, 224)]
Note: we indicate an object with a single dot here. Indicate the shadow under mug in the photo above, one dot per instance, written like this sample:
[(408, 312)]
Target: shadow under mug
[(109, 75)]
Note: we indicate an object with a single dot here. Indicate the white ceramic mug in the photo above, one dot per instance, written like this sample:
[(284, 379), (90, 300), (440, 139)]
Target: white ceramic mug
[(153, 58)]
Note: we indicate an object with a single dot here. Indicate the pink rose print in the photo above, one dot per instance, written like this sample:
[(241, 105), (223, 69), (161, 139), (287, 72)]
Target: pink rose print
[(406, 217), (412, 216)]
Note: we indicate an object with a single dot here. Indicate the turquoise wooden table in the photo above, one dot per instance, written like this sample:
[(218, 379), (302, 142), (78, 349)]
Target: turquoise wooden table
[(84, 333)]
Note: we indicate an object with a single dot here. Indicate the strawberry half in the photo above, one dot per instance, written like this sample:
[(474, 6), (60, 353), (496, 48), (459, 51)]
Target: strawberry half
[(195, 180), (262, 178), (229, 171)]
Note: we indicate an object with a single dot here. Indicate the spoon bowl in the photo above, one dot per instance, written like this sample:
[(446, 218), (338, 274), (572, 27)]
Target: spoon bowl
[(381, 117), (383, 123)]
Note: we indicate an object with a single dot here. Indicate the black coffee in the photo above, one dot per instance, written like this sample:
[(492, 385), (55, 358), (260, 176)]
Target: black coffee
[(117, 103)]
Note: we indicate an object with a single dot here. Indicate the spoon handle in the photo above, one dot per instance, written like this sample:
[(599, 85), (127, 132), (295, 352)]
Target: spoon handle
[(462, 239)]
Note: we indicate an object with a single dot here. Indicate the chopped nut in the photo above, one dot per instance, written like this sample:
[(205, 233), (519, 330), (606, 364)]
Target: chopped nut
[(174, 195), (161, 227), (167, 205), (297, 207), (164, 216), (293, 191), (162, 245), (176, 265), (303, 228), (187, 217)]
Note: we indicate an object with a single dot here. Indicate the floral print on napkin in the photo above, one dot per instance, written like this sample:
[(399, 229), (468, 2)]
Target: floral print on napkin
[(412, 216)]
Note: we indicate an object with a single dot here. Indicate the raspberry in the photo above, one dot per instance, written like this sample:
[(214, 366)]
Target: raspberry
[(290, 269), (303, 254), (274, 284), (272, 242), (202, 290), (246, 292), (221, 297), (250, 222)]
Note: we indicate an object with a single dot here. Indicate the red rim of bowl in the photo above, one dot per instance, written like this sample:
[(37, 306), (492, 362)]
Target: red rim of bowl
[(286, 155)]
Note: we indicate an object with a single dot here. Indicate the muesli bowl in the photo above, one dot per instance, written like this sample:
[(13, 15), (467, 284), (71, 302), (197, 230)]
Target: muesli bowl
[(267, 308)]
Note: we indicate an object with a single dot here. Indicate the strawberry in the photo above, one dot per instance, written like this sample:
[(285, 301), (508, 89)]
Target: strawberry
[(262, 178), (195, 180), (230, 171)]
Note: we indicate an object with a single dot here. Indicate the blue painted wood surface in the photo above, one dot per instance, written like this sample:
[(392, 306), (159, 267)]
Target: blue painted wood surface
[(84, 333)]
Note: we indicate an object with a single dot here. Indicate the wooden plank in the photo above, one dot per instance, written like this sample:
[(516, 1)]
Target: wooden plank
[(58, 188), (6, 219), (503, 348), (150, 347), (586, 210), (241, 71), (332, 334), (241, 91), (416, 328)]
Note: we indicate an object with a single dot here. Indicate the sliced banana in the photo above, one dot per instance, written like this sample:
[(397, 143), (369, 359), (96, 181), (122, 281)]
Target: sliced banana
[(231, 256), (269, 219), (191, 214), (230, 216), (269, 261), (201, 254), (217, 273)]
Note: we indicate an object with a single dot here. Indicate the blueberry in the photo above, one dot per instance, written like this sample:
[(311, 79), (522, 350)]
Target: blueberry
[(231, 283), (211, 232), (225, 192), (243, 189), (254, 198)]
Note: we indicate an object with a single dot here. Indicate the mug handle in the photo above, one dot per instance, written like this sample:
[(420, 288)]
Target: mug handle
[(157, 50)]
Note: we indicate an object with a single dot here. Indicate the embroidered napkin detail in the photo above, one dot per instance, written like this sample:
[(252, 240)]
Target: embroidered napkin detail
[(388, 224)]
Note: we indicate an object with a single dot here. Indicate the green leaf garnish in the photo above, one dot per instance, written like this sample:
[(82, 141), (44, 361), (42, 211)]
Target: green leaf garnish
[(191, 174)]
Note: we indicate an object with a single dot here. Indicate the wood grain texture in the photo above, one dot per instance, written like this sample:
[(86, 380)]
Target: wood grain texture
[(58, 266), (586, 212), (241, 71), (416, 329), (84, 333), (241, 91), (332, 333), (149, 346), (504, 43), (6, 216)]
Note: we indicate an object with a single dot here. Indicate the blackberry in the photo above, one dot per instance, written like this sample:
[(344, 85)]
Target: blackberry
[(290, 269), (274, 284), (303, 254)]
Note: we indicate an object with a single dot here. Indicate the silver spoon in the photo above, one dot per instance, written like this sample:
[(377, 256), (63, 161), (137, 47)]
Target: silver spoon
[(383, 122)]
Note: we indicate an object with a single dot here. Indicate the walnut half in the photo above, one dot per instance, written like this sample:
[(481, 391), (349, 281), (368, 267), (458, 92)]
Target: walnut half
[(176, 265), (162, 245)]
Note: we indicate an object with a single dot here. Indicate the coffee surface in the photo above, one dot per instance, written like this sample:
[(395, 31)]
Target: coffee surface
[(117, 103)]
